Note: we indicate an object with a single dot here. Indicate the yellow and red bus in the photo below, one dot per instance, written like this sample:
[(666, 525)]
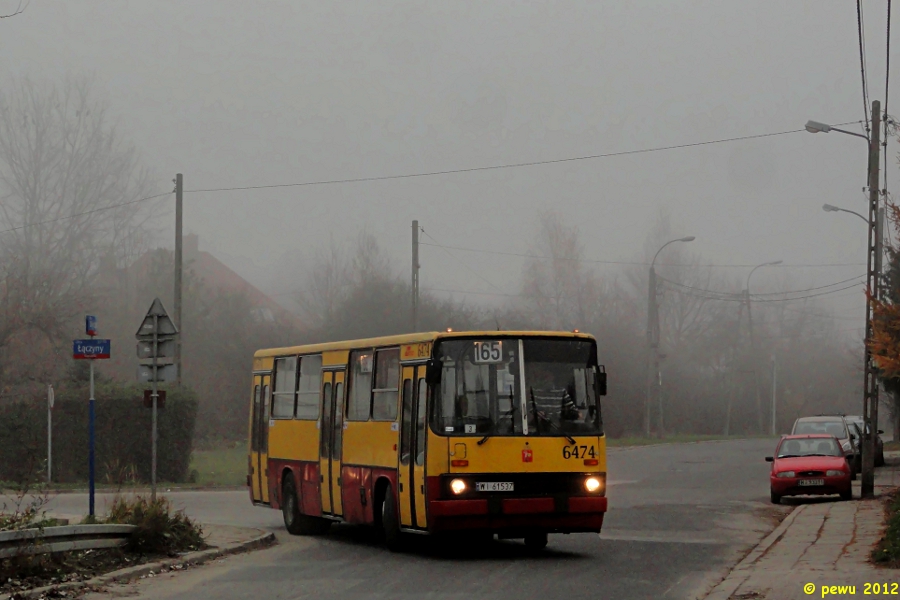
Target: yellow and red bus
[(495, 432)]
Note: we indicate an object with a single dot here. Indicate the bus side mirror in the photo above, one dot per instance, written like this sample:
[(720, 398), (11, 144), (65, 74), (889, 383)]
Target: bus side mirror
[(600, 375), (433, 371)]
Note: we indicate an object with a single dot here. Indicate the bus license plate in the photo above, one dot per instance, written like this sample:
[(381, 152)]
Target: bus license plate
[(811, 482), (493, 486)]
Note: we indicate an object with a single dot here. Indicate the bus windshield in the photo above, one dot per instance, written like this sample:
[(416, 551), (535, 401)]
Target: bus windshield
[(487, 385)]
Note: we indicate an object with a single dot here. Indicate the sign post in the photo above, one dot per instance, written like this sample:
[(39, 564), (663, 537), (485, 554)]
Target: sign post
[(89, 350), (49, 434), (156, 341)]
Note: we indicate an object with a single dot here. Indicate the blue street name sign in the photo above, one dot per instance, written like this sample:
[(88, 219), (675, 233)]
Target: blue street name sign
[(90, 349)]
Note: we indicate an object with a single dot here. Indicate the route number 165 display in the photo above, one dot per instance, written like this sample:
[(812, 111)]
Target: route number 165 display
[(488, 352)]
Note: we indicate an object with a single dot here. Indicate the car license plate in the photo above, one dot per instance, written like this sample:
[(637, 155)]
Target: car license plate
[(493, 486), (811, 482)]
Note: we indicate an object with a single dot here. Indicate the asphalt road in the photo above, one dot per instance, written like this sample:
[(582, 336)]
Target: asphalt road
[(680, 516)]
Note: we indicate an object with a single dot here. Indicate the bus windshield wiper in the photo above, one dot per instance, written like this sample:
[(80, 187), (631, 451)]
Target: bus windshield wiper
[(539, 415)]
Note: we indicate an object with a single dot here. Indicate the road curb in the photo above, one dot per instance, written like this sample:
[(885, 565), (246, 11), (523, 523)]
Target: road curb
[(638, 446), (150, 569), (741, 571)]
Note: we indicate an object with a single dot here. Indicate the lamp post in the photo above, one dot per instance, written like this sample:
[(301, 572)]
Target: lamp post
[(759, 410), (653, 357), (873, 261)]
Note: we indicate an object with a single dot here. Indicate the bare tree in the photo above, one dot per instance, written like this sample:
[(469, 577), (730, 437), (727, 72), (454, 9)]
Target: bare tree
[(71, 191)]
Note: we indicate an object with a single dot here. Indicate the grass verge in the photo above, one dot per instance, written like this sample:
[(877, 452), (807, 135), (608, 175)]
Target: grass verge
[(887, 551), (220, 467)]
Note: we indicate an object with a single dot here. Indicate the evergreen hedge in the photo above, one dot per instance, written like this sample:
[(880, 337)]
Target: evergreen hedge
[(122, 436)]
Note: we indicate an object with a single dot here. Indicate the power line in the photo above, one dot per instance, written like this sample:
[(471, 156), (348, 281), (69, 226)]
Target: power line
[(862, 60), (471, 270), (501, 166), (812, 289), (630, 262), (82, 214)]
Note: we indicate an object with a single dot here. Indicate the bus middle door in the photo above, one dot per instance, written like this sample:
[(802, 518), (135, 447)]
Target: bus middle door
[(331, 441), (411, 470)]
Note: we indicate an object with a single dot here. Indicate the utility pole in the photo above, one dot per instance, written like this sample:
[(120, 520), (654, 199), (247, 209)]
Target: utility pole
[(759, 410), (873, 275), (179, 191), (652, 348), (774, 389), (415, 276)]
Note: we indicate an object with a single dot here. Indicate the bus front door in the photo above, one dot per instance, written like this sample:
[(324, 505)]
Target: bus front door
[(259, 439), (331, 441), (411, 470)]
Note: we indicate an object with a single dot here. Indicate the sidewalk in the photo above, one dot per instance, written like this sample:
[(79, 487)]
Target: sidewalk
[(223, 540), (823, 543)]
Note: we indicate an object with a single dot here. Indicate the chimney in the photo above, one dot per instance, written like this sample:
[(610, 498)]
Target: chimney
[(191, 247)]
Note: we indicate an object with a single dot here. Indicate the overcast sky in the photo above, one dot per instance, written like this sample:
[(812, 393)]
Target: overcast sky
[(237, 93)]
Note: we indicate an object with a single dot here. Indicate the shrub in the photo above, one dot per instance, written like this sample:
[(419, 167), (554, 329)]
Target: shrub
[(160, 529), (122, 429)]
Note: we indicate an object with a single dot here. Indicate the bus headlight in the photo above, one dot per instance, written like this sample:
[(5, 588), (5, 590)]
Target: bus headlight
[(593, 484), (458, 486)]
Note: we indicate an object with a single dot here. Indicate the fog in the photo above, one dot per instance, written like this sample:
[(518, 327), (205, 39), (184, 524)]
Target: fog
[(304, 128), (241, 94)]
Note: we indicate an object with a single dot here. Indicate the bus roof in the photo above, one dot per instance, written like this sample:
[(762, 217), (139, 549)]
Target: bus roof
[(410, 338)]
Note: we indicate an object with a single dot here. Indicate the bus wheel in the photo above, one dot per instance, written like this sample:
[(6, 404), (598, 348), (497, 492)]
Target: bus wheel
[(294, 521), (393, 538), (536, 541)]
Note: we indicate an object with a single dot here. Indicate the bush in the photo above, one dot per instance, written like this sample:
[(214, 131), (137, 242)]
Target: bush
[(888, 548), (122, 429), (160, 529)]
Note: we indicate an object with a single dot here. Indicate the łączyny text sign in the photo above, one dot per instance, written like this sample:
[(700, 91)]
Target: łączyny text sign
[(90, 349)]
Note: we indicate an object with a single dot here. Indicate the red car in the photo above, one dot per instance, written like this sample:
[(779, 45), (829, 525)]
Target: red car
[(812, 464)]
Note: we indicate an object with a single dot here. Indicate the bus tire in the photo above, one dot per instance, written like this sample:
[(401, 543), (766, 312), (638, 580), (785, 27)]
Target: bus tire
[(390, 522), (536, 541), (294, 521)]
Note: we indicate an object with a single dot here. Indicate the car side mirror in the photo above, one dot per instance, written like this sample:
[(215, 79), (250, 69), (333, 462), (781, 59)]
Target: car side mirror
[(880, 431), (433, 371), (770, 459), (600, 375)]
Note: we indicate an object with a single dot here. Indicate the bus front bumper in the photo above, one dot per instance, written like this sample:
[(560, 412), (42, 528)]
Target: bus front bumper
[(553, 514)]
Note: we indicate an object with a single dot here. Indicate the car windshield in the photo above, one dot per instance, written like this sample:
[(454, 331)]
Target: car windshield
[(809, 447), (835, 428), (482, 390)]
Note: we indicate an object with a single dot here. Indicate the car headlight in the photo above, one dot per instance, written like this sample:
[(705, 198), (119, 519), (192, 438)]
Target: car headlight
[(458, 486), (834, 473), (593, 484), (786, 474)]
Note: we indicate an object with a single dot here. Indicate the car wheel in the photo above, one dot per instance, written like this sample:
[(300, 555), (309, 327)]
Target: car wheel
[(536, 541), (775, 498), (848, 495), (390, 522), (294, 521)]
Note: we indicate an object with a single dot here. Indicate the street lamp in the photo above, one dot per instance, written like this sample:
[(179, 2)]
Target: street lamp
[(653, 356), (753, 341), (830, 208), (874, 254), (816, 127)]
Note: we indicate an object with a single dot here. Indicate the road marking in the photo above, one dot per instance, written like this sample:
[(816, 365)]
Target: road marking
[(621, 482)]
